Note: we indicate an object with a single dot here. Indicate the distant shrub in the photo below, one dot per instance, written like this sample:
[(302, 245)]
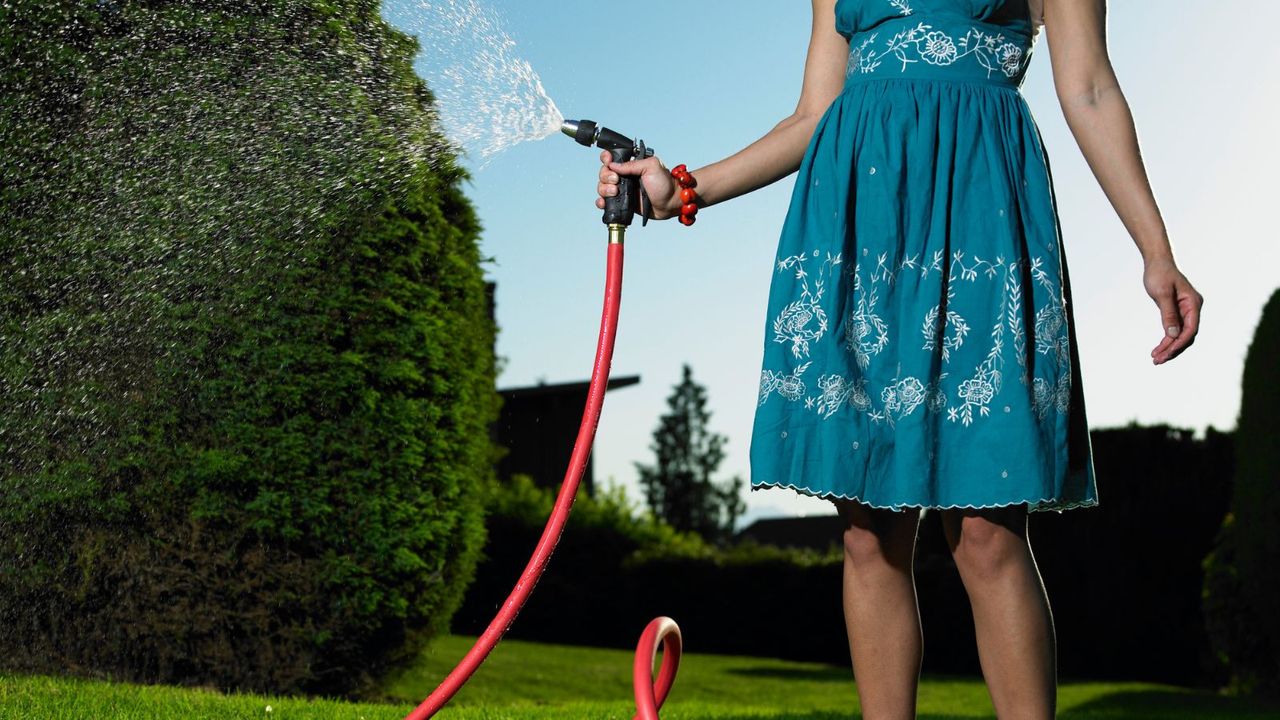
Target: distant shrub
[(518, 503), (745, 551), (616, 567)]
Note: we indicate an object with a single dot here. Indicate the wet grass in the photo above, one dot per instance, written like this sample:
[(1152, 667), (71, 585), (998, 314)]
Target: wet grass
[(537, 681)]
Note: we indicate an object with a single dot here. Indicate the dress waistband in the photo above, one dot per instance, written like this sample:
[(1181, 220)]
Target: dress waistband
[(941, 47)]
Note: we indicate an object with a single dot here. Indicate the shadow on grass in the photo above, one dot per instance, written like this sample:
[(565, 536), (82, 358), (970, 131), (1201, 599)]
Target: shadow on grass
[(1172, 705), (1129, 705), (831, 674), (783, 715), (828, 715)]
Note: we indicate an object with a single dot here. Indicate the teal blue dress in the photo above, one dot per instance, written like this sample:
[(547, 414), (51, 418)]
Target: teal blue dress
[(919, 347)]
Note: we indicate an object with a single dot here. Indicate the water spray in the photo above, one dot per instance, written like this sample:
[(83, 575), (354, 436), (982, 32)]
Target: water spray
[(619, 211)]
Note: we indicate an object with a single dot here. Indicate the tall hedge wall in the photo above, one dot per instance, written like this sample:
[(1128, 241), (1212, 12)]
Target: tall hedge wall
[(1242, 586), (246, 368)]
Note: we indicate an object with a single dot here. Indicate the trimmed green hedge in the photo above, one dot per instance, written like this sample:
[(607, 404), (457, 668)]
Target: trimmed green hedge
[(616, 567), (1242, 587), (247, 370), (1119, 577)]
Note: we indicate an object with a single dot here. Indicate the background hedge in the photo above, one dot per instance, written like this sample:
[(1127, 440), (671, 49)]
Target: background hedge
[(1242, 585), (1123, 579), (246, 366)]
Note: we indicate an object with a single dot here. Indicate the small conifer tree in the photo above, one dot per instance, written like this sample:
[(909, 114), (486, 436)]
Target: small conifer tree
[(678, 488)]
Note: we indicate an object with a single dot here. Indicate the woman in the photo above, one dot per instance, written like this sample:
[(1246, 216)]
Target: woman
[(920, 342)]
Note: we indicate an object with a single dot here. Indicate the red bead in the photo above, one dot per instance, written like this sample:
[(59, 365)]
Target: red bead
[(679, 169), (683, 178), (686, 220), (689, 209), (689, 181), (687, 195)]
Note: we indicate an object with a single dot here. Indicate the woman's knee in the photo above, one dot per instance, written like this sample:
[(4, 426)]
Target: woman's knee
[(987, 541), (862, 545), (876, 535)]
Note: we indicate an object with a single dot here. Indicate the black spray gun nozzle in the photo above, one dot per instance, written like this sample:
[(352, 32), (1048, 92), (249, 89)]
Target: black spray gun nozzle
[(631, 197)]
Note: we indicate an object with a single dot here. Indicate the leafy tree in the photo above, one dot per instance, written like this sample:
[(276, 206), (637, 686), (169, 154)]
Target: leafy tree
[(678, 488)]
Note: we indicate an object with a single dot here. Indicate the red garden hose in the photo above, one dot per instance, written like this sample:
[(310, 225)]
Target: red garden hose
[(649, 696)]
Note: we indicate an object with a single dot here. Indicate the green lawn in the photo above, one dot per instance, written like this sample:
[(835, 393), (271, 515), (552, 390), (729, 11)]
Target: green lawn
[(535, 681)]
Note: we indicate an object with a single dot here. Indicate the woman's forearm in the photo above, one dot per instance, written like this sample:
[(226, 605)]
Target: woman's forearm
[(774, 156), (1100, 120)]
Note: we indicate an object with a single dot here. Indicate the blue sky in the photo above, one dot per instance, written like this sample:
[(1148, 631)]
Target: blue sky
[(699, 81)]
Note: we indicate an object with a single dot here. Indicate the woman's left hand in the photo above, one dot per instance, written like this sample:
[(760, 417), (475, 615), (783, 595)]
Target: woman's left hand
[(1179, 305)]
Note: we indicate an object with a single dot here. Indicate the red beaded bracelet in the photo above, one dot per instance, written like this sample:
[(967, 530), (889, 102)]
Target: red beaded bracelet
[(688, 197)]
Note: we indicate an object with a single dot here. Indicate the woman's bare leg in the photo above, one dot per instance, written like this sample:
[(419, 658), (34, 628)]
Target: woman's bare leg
[(880, 611), (1011, 614)]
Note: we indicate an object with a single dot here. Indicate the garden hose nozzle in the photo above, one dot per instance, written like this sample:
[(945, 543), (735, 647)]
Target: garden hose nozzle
[(621, 208)]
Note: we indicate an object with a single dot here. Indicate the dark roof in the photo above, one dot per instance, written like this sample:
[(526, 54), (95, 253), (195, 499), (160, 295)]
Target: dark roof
[(567, 387), (815, 531)]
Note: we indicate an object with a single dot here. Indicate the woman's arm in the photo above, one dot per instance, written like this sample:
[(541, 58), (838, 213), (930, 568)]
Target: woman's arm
[(764, 161), (1098, 116)]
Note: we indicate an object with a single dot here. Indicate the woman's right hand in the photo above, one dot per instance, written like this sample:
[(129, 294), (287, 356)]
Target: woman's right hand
[(1179, 305), (656, 179)]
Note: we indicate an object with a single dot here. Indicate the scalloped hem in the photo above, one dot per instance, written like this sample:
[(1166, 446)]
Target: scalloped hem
[(1032, 505)]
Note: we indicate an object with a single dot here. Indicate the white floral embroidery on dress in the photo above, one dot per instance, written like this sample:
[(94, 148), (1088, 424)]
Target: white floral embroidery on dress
[(903, 395), (883, 271), (978, 390), (992, 51), (866, 334), (902, 6), (1052, 340), (790, 386), (803, 321), (935, 331), (859, 324)]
